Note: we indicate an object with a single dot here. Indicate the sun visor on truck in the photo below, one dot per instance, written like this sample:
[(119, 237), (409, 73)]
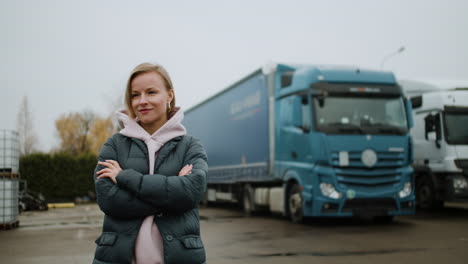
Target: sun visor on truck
[(355, 89)]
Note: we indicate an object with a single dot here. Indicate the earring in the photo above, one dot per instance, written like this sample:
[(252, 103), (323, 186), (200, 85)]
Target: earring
[(168, 106)]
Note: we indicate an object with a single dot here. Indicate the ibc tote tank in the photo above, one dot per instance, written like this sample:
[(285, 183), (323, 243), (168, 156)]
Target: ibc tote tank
[(9, 151), (9, 182)]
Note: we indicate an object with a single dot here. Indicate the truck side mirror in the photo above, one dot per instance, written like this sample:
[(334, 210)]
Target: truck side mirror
[(432, 128), (306, 112), (428, 125), (321, 100), (438, 131)]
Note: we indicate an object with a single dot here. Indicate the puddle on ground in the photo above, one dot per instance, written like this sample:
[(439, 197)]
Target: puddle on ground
[(334, 253), (221, 218)]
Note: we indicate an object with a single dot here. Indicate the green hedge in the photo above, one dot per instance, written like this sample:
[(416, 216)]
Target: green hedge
[(60, 176)]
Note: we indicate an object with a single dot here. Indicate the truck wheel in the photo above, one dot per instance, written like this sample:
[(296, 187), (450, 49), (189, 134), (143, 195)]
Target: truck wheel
[(248, 203), (426, 195), (295, 210)]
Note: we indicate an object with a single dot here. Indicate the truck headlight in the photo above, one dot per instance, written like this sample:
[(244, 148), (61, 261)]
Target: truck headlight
[(459, 183), (328, 190), (406, 190)]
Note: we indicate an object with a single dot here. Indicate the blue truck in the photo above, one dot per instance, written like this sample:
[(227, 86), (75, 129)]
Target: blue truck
[(309, 141)]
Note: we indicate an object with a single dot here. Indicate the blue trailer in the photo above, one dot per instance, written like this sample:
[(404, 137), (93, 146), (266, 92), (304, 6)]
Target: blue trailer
[(309, 141)]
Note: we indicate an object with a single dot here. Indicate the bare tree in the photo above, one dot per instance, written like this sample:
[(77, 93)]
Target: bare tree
[(24, 125)]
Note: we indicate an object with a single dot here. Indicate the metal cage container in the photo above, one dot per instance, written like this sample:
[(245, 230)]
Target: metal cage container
[(9, 151), (9, 178), (9, 201)]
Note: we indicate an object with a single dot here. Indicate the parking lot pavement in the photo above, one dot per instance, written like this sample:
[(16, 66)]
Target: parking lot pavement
[(67, 236), (62, 235)]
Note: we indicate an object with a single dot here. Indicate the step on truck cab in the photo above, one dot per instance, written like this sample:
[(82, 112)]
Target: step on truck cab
[(309, 141)]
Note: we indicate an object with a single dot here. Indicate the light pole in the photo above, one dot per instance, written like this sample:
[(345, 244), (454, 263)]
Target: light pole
[(400, 50)]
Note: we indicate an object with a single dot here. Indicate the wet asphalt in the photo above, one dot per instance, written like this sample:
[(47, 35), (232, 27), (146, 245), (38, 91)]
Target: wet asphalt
[(67, 235)]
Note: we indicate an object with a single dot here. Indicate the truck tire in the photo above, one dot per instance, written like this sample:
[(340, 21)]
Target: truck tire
[(426, 194), (248, 200), (295, 210)]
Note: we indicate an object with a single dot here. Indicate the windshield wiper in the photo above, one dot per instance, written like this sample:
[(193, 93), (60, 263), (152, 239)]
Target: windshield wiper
[(386, 128)]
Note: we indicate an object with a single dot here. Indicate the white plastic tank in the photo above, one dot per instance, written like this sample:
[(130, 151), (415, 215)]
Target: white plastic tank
[(9, 178), (8, 200), (9, 151)]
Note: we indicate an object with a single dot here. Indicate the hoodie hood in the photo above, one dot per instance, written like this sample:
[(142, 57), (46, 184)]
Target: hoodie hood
[(171, 129)]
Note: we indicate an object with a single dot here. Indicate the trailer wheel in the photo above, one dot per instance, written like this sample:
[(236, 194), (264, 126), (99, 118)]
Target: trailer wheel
[(426, 194), (295, 210), (248, 203)]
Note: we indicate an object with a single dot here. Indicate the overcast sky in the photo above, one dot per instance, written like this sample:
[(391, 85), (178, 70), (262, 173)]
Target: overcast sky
[(68, 56)]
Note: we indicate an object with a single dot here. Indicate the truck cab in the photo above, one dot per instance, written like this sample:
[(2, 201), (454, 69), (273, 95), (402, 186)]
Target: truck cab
[(440, 143), (342, 142)]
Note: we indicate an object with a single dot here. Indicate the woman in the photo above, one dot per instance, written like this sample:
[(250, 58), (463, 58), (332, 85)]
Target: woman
[(150, 178)]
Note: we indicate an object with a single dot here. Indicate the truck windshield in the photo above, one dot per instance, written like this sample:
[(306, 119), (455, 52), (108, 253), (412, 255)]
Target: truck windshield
[(455, 128), (360, 115)]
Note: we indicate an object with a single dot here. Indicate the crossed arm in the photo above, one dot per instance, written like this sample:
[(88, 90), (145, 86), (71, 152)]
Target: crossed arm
[(113, 168), (130, 194)]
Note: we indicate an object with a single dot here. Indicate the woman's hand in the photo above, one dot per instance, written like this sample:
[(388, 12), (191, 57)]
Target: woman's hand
[(113, 168), (186, 170)]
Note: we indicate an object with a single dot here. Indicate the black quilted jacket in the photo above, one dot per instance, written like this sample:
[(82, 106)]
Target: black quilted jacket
[(172, 199)]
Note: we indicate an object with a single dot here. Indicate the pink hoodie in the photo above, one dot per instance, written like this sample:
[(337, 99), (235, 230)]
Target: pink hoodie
[(149, 245)]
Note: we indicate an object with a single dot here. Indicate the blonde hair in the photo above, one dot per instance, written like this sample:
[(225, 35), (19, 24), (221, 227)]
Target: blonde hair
[(144, 68)]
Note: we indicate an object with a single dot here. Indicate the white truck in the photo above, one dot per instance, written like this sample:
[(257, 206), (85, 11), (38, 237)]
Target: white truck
[(440, 139)]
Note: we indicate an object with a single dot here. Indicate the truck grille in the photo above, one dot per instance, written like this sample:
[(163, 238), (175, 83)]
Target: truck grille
[(368, 181), (385, 159)]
